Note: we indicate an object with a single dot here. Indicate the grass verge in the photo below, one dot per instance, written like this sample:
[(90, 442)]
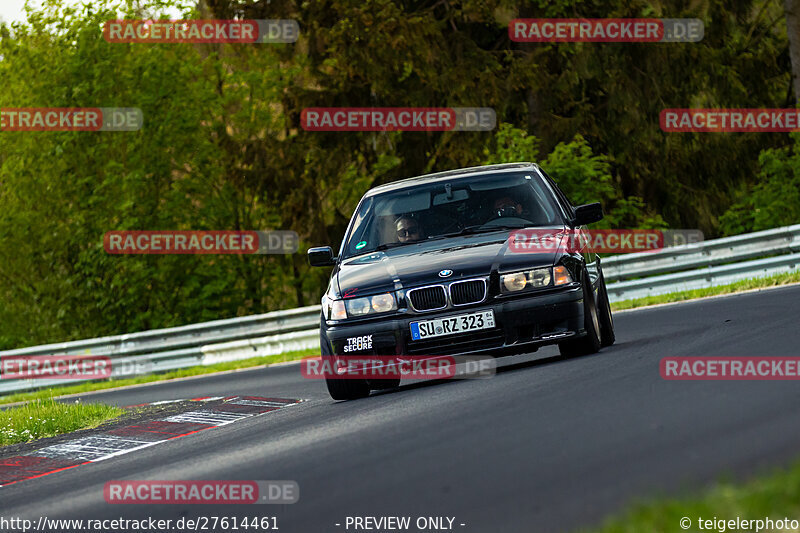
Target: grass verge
[(739, 286), (47, 418), (775, 495), (181, 373)]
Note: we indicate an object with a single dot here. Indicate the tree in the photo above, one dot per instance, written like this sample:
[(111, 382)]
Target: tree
[(792, 8), (223, 148)]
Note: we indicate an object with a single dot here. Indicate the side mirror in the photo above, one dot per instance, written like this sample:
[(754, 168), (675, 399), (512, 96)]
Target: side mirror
[(588, 213), (321, 256)]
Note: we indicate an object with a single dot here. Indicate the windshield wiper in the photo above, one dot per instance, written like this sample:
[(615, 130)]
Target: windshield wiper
[(379, 248), (469, 230), (479, 228), (387, 245)]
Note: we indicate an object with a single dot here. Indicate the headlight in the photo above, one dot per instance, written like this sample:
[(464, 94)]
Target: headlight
[(539, 277), (380, 303), (383, 303), (528, 279), (515, 282), (561, 275), (358, 306)]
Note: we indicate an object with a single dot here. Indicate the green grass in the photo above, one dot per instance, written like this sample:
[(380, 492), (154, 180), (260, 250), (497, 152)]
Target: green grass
[(744, 285), (182, 373), (46, 418), (775, 495)]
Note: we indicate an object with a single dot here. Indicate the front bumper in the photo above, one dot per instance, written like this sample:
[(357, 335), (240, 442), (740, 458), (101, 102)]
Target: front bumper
[(522, 323)]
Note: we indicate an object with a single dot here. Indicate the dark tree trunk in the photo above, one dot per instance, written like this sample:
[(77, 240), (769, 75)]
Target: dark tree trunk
[(792, 8)]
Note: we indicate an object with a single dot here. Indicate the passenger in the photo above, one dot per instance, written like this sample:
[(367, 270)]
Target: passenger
[(408, 229)]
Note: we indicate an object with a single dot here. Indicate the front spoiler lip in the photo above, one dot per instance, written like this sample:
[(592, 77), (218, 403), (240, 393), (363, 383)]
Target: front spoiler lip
[(493, 352)]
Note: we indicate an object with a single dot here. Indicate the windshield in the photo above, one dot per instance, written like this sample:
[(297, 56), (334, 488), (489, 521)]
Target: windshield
[(457, 207)]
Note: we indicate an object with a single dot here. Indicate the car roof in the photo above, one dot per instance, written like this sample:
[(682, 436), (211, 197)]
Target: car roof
[(449, 175)]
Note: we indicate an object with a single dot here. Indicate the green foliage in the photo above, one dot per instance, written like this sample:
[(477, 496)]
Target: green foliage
[(583, 176), (577, 170), (774, 200), (511, 145), (222, 146)]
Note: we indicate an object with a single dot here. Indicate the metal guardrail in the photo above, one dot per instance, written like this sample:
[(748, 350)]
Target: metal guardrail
[(702, 278), (692, 266), (703, 264), (738, 248), (161, 350)]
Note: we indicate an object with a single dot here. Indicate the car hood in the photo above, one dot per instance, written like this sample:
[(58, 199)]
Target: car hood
[(419, 264)]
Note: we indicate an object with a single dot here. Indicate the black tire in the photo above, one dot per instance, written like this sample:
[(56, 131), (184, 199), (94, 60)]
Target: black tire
[(590, 342), (342, 389), (607, 335), (383, 384)]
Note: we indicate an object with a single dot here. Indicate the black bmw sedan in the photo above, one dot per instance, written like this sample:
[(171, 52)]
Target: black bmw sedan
[(429, 267)]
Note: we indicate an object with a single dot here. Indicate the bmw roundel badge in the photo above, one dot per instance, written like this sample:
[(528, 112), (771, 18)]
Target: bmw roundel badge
[(445, 273)]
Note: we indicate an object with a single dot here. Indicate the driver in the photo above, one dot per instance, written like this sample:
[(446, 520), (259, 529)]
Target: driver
[(506, 206), (408, 229)]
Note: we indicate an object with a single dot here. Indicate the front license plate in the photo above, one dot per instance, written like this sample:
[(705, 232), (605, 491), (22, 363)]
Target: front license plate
[(452, 325)]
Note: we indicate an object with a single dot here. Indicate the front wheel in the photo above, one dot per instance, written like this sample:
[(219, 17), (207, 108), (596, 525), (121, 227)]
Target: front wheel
[(607, 335), (338, 388), (383, 384), (589, 343), (346, 389)]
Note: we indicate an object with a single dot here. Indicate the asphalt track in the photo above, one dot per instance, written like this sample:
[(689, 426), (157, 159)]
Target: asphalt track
[(546, 445)]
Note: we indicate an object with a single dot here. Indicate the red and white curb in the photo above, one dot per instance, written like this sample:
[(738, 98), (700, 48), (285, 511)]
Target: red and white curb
[(164, 402), (127, 439)]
